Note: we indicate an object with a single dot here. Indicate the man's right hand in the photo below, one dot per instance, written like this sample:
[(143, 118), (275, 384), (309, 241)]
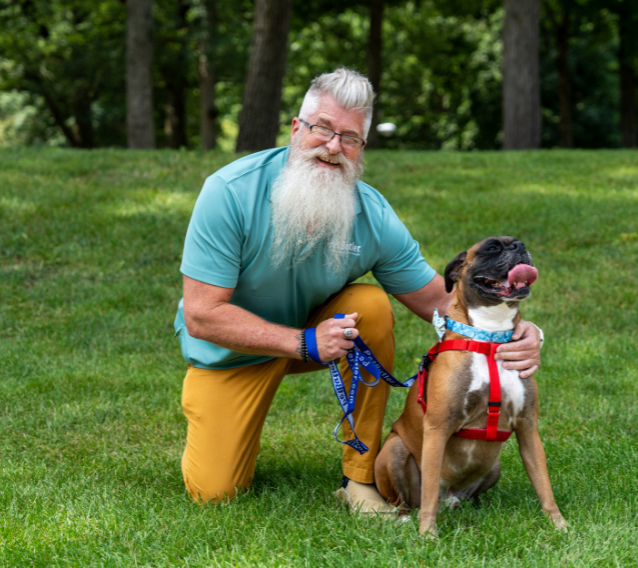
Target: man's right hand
[(331, 343)]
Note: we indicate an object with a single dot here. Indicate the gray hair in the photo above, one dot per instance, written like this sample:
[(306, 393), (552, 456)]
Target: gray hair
[(350, 89)]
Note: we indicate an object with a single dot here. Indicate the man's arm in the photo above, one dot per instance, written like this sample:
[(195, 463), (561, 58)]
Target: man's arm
[(423, 301), (209, 316), (523, 353)]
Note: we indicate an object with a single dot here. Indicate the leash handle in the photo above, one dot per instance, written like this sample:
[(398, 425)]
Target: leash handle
[(346, 400), (359, 355)]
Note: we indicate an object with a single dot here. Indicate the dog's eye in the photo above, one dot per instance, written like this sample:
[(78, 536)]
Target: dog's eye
[(493, 248)]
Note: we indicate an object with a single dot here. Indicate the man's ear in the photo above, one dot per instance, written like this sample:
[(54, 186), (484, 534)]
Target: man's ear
[(452, 271), (296, 125)]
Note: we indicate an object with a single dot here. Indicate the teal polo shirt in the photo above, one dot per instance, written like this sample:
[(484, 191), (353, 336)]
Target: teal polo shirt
[(228, 244)]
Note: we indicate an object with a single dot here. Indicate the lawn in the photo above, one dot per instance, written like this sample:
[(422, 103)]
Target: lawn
[(90, 374)]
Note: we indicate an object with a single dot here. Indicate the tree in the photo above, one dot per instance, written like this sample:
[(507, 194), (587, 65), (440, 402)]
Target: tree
[(208, 112), (139, 74), (579, 88), (259, 120), (374, 65), (626, 13), (176, 69), (521, 81), (627, 77), (65, 55), (559, 16), (438, 70), (627, 58)]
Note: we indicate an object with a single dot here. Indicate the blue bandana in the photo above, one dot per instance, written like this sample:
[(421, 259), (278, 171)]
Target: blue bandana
[(441, 324)]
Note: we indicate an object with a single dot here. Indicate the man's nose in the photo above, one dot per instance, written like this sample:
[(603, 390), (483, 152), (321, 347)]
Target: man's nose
[(334, 146)]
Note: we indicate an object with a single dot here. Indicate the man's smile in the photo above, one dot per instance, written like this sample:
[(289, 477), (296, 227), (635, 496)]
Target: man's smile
[(329, 162)]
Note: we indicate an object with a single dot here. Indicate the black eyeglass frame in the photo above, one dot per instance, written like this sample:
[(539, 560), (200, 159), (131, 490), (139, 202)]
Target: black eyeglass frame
[(311, 126)]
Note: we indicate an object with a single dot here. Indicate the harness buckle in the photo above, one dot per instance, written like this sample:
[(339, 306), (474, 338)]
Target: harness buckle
[(424, 364)]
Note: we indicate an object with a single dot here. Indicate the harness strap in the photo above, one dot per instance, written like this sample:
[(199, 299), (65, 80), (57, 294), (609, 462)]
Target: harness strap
[(490, 433)]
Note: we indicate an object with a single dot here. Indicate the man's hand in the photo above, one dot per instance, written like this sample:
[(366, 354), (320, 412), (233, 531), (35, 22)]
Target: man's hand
[(331, 343), (523, 353)]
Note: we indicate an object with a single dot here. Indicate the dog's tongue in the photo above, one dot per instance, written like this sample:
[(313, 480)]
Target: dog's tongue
[(522, 273)]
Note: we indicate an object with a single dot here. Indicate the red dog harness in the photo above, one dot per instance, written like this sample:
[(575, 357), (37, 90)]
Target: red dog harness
[(490, 433)]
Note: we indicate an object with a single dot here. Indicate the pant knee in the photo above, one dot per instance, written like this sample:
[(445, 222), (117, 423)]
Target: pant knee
[(213, 491), (373, 306), (210, 484)]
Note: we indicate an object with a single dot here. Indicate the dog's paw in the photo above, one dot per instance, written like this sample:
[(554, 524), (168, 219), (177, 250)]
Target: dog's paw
[(428, 532), (560, 523), (452, 502)]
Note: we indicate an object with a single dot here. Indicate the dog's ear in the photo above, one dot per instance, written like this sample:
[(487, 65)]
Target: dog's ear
[(452, 270)]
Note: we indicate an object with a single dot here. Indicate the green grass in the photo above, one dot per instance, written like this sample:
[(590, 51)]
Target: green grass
[(90, 375)]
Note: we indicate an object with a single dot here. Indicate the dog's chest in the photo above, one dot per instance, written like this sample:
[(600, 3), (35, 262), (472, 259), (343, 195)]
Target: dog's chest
[(495, 318), (512, 389)]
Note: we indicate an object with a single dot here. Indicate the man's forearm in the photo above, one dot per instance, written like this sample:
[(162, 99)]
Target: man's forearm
[(423, 301), (237, 329), (210, 316)]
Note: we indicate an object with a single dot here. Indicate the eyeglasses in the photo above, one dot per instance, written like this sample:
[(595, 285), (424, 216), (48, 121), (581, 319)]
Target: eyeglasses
[(325, 134)]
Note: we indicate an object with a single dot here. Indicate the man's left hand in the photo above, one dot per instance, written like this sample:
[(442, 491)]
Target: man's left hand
[(523, 353)]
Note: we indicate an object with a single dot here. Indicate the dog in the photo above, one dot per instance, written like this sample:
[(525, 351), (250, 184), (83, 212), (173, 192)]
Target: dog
[(422, 461)]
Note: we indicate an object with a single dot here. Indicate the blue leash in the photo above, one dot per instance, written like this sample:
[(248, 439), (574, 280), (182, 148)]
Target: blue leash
[(360, 354)]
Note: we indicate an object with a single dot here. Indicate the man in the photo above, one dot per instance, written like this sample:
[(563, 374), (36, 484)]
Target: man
[(275, 240)]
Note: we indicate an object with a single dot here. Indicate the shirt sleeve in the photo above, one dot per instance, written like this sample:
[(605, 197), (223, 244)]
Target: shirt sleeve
[(212, 249), (401, 267)]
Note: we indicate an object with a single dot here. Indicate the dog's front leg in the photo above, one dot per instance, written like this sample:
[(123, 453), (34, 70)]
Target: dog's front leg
[(434, 441), (532, 453)]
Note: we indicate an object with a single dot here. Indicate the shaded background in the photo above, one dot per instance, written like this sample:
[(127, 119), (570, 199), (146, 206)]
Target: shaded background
[(437, 65)]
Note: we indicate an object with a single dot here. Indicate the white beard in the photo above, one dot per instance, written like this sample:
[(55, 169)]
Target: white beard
[(313, 205)]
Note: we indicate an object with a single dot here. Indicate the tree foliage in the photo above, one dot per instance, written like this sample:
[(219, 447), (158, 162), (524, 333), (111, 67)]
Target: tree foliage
[(62, 72), (67, 55)]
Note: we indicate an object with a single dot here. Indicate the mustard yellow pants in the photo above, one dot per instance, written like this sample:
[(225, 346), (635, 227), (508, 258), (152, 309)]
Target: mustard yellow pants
[(226, 409)]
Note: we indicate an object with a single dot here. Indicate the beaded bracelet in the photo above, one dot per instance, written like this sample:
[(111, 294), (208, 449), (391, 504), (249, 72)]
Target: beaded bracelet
[(304, 348)]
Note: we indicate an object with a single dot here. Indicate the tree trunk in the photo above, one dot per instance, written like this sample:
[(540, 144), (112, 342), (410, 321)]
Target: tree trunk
[(259, 121), (175, 117), (521, 83), (83, 129), (373, 63), (208, 113), (53, 106), (564, 83), (176, 83), (627, 88), (139, 74)]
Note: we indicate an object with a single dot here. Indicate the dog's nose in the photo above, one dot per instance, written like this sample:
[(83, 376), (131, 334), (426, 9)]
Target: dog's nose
[(517, 246)]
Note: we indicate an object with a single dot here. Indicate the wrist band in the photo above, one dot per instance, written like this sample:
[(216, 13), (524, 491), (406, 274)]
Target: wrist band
[(311, 344)]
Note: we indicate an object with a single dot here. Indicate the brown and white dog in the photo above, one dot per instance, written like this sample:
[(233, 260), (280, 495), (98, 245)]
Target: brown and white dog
[(421, 462)]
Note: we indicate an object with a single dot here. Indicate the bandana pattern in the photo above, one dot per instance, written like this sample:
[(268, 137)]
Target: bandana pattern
[(441, 324)]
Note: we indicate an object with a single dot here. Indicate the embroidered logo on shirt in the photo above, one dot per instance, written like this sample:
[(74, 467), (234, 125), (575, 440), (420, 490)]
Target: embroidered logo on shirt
[(350, 248)]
